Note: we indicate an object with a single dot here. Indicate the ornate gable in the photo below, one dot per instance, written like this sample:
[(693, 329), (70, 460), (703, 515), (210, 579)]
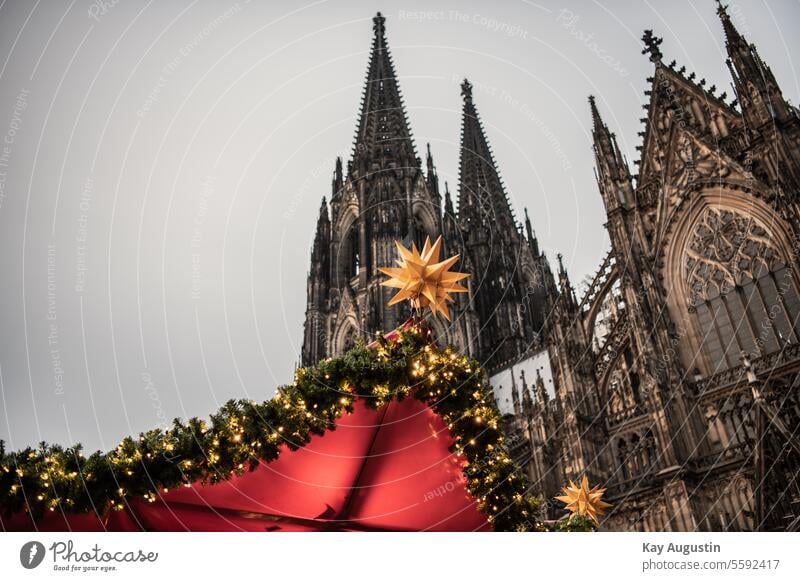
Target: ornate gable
[(676, 101), (690, 162)]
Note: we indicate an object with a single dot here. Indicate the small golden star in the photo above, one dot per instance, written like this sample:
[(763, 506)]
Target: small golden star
[(582, 501), (424, 280)]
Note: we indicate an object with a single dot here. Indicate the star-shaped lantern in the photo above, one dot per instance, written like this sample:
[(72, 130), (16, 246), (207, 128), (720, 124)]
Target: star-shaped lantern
[(582, 501), (423, 279)]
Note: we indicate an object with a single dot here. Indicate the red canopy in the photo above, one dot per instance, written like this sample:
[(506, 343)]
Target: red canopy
[(386, 469)]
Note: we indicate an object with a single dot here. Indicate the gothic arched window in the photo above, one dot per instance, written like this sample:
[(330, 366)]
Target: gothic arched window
[(347, 261), (345, 338), (419, 232), (349, 340), (352, 257), (743, 296)]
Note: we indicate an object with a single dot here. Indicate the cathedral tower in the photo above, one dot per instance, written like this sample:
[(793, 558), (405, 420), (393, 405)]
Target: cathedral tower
[(513, 277), (383, 194)]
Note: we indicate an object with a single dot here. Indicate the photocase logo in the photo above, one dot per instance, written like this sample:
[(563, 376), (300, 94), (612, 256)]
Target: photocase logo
[(31, 554)]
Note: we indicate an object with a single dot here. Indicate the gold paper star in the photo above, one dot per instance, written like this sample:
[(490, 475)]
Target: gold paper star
[(584, 502), (424, 280)]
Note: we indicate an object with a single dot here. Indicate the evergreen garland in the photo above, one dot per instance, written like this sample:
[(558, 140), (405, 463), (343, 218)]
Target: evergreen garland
[(244, 433)]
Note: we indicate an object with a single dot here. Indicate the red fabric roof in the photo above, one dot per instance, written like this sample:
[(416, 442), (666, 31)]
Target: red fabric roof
[(389, 469)]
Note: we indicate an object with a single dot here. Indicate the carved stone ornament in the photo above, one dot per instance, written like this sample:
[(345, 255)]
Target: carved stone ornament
[(726, 249), (692, 163)]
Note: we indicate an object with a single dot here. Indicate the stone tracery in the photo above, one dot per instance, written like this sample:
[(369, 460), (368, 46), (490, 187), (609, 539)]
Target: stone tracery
[(725, 250)]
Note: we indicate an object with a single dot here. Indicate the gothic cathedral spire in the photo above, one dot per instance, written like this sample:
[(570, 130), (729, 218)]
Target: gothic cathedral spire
[(482, 195), (382, 196), (386, 194), (510, 313), (612, 173), (756, 87), (383, 137), (318, 287)]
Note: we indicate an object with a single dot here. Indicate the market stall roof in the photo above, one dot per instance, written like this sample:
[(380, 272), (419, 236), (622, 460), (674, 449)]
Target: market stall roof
[(397, 435)]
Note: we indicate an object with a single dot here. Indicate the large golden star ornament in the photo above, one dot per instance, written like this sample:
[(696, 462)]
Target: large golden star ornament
[(423, 279), (582, 501)]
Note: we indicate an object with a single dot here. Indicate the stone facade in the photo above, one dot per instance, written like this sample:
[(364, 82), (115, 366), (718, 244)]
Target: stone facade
[(386, 194), (674, 378)]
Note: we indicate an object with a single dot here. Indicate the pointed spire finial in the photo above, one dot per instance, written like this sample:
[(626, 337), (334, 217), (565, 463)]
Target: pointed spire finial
[(466, 91), (480, 187), (756, 87), (596, 119), (529, 232), (378, 24), (383, 135), (611, 165), (448, 201), (732, 37), (651, 44), (541, 393), (560, 258), (338, 178), (323, 209), (431, 167)]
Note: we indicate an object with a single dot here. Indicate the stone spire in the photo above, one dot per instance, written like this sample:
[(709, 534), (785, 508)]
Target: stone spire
[(481, 193), (320, 252), (448, 201), (756, 88), (612, 172), (515, 395), (532, 241), (318, 288), (499, 255), (565, 286), (541, 393), (527, 400), (337, 183), (431, 177), (383, 137)]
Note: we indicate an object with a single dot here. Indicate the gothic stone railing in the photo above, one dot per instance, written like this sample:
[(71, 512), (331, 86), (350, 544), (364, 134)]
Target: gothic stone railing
[(765, 366), (726, 404)]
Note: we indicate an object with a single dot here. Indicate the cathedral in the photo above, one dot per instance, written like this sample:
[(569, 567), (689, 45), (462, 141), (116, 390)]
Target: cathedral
[(673, 380)]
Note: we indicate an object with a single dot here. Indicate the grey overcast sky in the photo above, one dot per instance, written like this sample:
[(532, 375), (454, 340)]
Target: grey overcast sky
[(162, 167)]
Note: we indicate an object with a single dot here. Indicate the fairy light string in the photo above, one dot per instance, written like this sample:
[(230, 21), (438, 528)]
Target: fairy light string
[(242, 434)]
